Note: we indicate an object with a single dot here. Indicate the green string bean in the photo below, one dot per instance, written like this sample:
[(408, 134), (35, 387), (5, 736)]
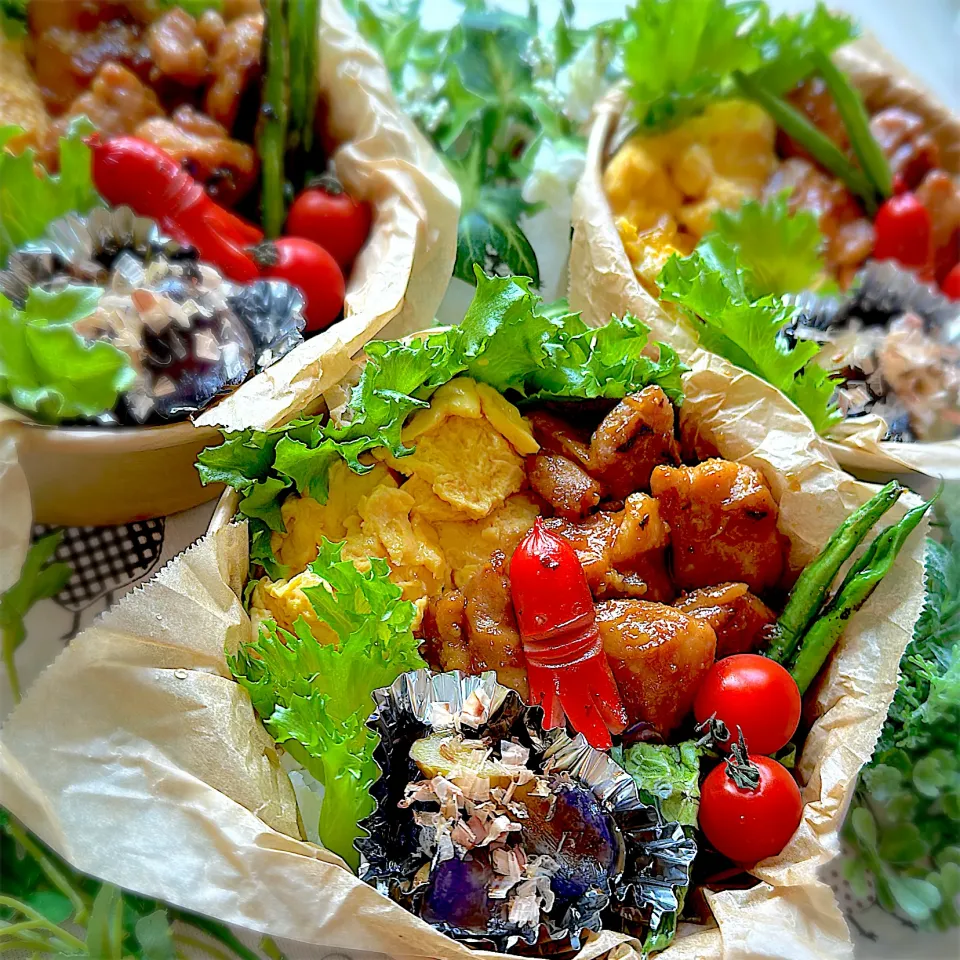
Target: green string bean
[(859, 583), (817, 143), (807, 596), (274, 118)]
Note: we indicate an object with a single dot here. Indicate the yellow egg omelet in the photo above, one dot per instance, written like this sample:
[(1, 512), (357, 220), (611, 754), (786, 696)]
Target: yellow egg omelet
[(664, 189), (435, 516)]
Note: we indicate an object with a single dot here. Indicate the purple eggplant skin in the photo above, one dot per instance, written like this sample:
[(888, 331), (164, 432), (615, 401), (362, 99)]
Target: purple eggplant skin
[(576, 832), (459, 894)]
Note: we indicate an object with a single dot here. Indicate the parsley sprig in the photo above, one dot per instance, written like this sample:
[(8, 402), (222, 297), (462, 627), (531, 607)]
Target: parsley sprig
[(904, 825)]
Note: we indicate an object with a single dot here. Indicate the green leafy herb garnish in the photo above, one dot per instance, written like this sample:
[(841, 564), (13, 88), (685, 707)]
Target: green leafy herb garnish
[(780, 250), (668, 777), (49, 370), (489, 93), (682, 54), (904, 825), (315, 698), (40, 577), (711, 285), (30, 198), (507, 339)]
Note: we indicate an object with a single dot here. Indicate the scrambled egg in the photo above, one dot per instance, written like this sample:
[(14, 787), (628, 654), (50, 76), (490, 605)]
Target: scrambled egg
[(457, 499), (664, 189), (469, 447)]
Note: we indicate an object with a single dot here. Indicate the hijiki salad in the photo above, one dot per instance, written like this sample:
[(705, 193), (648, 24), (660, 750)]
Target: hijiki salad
[(512, 499), (751, 156), (168, 225)]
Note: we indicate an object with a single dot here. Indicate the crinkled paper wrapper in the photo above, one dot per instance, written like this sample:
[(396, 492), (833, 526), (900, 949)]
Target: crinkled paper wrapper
[(602, 281), (401, 275), (137, 757)]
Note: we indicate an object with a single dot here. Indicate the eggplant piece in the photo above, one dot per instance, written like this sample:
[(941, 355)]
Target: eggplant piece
[(571, 827), (458, 894), (446, 755)]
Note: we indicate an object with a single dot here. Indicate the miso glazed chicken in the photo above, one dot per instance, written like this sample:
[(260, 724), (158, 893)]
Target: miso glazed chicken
[(681, 557)]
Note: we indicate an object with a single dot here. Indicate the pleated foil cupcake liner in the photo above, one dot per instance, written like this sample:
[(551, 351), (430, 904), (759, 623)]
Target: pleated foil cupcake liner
[(649, 879), (236, 330), (881, 290)]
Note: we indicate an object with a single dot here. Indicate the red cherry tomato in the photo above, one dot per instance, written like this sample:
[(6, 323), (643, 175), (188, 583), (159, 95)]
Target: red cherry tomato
[(754, 694), (328, 216), (307, 266), (903, 232), (749, 825), (951, 283)]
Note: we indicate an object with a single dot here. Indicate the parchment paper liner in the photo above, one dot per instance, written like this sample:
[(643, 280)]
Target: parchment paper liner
[(602, 281), (139, 760), (658, 854)]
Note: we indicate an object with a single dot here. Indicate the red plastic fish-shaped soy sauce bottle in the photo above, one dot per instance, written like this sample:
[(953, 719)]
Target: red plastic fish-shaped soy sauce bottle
[(567, 670)]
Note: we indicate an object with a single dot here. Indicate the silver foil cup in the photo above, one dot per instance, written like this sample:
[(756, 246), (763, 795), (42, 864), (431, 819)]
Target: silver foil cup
[(653, 869)]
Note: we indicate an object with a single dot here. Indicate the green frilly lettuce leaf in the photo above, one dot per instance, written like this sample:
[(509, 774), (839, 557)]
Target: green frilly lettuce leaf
[(47, 369), (681, 54), (31, 198), (315, 697), (668, 777), (713, 287), (507, 339)]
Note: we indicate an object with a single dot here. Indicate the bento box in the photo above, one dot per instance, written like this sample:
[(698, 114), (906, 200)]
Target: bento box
[(160, 752), (182, 91), (884, 330)]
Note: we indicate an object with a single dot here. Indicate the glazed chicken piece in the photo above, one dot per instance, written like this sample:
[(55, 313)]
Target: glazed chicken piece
[(940, 194), (226, 168), (737, 617), (658, 655), (623, 553), (565, 485), (723, 523), (557, 436), (632, 439), (116, 103), (694, 445), (477, 628), (236, 62), (910, 148), (176, 49), (70, 41)]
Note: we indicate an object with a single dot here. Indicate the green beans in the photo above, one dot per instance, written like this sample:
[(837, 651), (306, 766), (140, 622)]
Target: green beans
[(857, 586), (304, 38), (274, 117), (811, 588), (872, 160), (817, 143)]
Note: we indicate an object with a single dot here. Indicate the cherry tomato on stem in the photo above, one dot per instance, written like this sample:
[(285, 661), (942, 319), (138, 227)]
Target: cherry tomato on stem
[(750, 807), (903, 232), (310, 268), (751, 694), (327, 215)]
